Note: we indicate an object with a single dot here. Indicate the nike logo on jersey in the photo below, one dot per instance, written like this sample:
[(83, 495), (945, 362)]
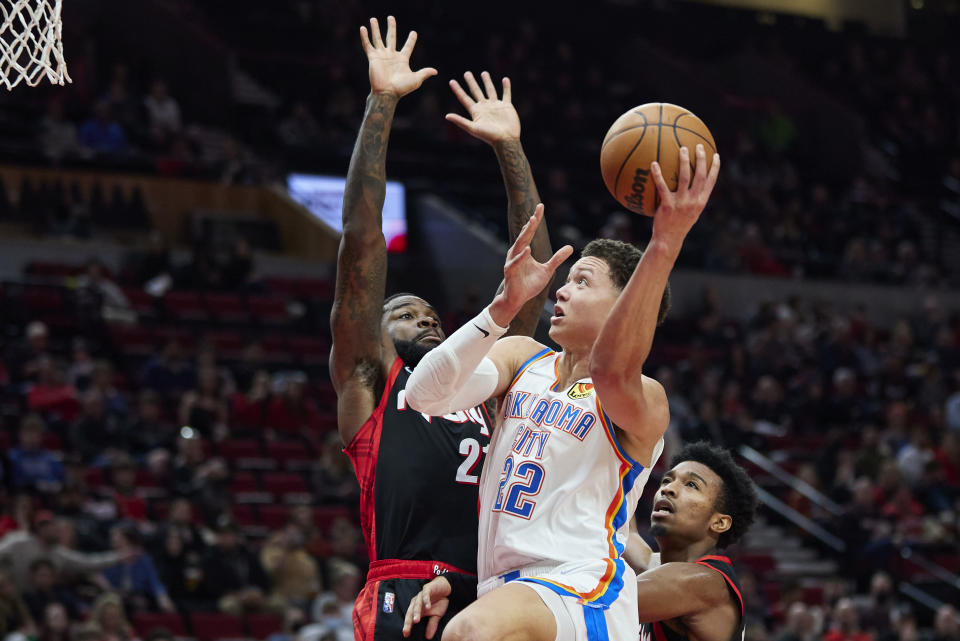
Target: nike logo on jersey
[(482, 331)]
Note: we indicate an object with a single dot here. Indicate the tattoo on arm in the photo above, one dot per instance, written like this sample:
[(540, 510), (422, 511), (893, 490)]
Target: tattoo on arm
[(522, 199)]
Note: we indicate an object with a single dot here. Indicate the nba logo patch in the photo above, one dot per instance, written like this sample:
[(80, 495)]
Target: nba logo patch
[(388, 602), (581, 390)]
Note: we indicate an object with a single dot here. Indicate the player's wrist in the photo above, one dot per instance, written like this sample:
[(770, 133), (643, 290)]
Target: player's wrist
[(385, 97), (668, 245), (502, 311)]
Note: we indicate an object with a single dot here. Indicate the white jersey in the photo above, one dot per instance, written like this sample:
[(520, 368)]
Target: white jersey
[(557, 488)]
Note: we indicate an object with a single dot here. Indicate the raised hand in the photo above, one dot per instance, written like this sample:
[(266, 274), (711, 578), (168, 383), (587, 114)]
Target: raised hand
[(492, 119), (523, 276), (679, 210), (431, 602), (389, 68)]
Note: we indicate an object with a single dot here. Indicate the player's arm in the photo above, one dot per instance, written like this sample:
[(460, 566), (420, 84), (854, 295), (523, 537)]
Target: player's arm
[(687, 590), (472, 365), (634, 402), (637, 553), (495, 121), (356, 357)]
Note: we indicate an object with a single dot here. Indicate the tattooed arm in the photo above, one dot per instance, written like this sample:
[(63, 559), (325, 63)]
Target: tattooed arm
[(357, 358), (495, 121)]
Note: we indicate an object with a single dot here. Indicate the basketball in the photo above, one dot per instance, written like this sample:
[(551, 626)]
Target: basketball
[(651, 132)]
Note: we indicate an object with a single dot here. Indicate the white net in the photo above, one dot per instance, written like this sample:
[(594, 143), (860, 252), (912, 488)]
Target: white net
[(30, 46)]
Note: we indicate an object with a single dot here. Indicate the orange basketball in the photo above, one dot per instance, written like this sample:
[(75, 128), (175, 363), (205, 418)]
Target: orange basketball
[(654, 131)]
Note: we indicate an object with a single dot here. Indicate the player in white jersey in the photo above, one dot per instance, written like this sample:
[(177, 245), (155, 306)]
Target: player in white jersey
[(578, 429)]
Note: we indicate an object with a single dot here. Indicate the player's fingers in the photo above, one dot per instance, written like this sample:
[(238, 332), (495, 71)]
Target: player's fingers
[(712, 176), (683, 180), (558, 257), (507, 92), (488, 85), (409, 44), (408, 618), (460, 121), (391, 32), (473, 86), (375, 33), (700, 170), (461, 95), (365, 40), (662, 189), (426, 72), (515, 262), (432, 624)]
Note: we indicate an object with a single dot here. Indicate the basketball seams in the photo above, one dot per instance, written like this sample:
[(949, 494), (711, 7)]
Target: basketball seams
[(616, 181), (706, 140), (656, 192), (610, 137)]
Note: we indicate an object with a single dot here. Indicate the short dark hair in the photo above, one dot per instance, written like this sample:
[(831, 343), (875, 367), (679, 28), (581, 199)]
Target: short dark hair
[(737, 498), (42, 563), (622, 259)]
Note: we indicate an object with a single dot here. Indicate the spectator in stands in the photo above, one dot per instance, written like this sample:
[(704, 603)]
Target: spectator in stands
[(946, 624), (55, 623), (181, 520), (51, 395), (22, 358), (168, 373), (17, 513), (299, 129), (205, 482), (108, 615), (181, 570), (58, 136), (314, 540), (130, 506), (14, 615), (334, 608), (98, 296), (136, 577), (233, 576), (103, 381), (799, 625), (147, 430), (344, 539), (20, 549), (96, 435), (238, 271), (46, 589), (845, 625), (292, 571), (31, 466), (336, 483), (153, 261), (101, 134), (234, 166), (163, 114), (124, 108), (290, 411), (250, 409), (875, 612), (80, 372), (204, 408), (88, 631)]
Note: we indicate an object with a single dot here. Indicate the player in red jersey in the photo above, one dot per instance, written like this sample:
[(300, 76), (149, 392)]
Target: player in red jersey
[(418, 474)]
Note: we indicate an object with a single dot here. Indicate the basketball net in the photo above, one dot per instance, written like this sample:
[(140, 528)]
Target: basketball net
[(30, 46)]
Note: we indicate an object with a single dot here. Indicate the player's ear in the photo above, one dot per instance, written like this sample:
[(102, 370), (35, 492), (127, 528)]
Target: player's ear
[(720, 523)]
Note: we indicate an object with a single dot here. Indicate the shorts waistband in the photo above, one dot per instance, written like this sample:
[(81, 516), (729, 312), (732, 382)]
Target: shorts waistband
[(496, 581), (408, 569)]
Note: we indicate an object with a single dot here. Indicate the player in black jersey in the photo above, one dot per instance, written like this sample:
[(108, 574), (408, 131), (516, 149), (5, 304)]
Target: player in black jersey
[(705, 502), (418, 483)]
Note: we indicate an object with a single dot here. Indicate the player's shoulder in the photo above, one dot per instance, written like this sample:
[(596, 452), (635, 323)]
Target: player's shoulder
[(520, 348), (701, 580)]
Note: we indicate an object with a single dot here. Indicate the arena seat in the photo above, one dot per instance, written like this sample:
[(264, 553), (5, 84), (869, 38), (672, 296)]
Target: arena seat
[(262, 626), (144, 622), (210, 626)]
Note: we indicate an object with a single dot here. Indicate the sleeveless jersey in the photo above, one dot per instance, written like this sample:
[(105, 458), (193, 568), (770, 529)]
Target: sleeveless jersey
[(557, 488), (418, 479), (656, 631)]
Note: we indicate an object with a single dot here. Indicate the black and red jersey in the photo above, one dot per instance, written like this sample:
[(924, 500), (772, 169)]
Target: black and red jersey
[(657, 631), (419, 479)]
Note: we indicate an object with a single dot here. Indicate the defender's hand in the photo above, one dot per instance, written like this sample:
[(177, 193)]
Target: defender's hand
[(523, 276), (492, 119), (431, 602), (390, 69), (680, 210)]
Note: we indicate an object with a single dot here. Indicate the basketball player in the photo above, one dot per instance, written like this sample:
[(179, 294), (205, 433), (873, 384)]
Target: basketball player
[(579, 429), (418, 474), (705, 503)]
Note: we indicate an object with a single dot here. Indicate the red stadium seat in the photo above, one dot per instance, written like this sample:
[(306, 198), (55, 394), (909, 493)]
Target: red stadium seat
[(144, 622), (310, 350), (228, 308), (324, 516), (235, 449), (229, 345), (141, 302), (185, 306), (274, 517), (289, 454), (268, 310), (284, 483), (210, 626), (133, 341), (261, 626), (276, 349), (244, 515), (244, 482)]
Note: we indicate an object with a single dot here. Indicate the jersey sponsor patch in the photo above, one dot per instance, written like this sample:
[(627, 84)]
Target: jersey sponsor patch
[(580, 390), (388, 599)]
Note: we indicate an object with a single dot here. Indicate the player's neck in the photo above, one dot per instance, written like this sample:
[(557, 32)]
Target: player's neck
[(684, 553), (572, 366)]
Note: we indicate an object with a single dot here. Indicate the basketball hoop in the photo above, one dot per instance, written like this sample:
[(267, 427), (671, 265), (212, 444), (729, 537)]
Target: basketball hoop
[(30, 46)]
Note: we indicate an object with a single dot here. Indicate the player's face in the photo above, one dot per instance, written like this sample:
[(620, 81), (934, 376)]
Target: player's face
[(684, 507), (414, 327), (583, 303)]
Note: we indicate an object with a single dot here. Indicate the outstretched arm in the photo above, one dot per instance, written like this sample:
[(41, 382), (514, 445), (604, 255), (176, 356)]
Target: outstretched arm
[(457, 374), (634, 402), (495, 121), (357, 360), (687, 590)]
